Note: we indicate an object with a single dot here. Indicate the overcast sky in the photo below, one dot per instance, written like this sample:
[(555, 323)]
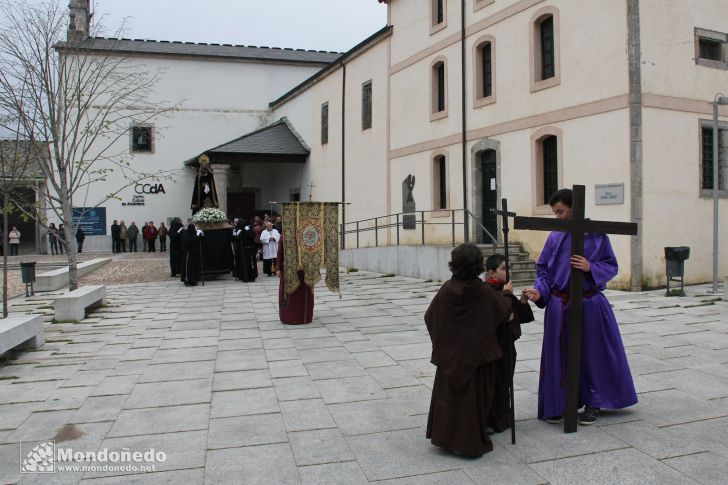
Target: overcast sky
[(334, 25)]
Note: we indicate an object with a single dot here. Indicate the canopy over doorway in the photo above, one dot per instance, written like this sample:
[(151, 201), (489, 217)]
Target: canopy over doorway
[(266, 164)]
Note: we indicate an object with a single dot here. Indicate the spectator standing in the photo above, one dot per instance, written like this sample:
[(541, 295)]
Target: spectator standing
[(133, 233), (80, 236), (123, 235), (14, 241), (162, 233), (61, 238), (278, 224), (151, 237), (115, 246), (53, 238), (269, 238), (145, 230)]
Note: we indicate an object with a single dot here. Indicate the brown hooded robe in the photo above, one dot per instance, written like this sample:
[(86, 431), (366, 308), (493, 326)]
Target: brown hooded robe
[(462, 321)]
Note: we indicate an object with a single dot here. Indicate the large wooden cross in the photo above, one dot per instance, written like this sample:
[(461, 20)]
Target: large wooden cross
[(576, 226)]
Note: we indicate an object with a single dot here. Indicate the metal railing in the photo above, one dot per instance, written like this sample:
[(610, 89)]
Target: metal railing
[(410, 221)]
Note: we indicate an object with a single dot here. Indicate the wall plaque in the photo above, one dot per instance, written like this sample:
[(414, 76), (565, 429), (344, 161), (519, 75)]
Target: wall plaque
[(609, 194)]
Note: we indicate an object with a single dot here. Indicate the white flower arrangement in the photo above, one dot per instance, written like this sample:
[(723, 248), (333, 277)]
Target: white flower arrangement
[(209, 215)]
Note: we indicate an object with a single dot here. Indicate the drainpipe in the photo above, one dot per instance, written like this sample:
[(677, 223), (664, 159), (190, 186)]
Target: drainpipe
[(343, 155), (466, 221), (635, 140)]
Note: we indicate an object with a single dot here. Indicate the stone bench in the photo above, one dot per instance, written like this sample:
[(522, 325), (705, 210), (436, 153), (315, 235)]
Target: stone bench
[(25, 330), (71, 307), (58, 278)]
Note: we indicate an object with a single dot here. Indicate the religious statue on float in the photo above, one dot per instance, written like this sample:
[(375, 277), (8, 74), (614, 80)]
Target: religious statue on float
[(204, 193)]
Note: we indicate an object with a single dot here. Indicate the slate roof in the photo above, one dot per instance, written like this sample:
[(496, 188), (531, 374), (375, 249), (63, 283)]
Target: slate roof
[(275, 139), (228, 51), (26, 157), (279, 139)]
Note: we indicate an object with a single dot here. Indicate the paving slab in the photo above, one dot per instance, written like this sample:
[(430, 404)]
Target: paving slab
[(244, 402), (183, 450), (295, 388), (250, 379), (342, 473), (320, 446), (397, 454), (236, 431), (173, 393), (159, 420), (258, 464), (618, 466), (307, 414)]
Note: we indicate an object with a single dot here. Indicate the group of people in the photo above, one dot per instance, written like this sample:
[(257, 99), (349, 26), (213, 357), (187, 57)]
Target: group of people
[(120, 234), (57, 238), (253, 241), (473, 327)]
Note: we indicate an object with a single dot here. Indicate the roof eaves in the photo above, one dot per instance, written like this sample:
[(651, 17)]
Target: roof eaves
[(191, 49)]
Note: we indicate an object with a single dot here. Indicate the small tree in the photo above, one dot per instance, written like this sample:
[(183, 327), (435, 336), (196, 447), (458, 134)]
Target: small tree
[(79, 99)]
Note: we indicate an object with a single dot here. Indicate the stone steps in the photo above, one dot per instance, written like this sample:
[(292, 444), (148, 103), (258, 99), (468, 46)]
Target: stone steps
[(523, 269)]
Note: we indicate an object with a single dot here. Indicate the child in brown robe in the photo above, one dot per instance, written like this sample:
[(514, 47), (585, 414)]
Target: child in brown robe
[(495, 267), (462, 321)]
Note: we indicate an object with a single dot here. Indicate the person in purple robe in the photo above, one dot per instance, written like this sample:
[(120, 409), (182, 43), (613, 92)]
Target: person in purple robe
[(605, 380)]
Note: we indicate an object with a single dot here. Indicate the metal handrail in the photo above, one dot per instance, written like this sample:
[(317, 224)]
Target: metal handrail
[(475, 219), (377, 224)]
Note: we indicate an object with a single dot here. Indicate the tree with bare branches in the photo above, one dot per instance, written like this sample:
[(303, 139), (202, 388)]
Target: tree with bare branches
[(18, 167), (79, 100)]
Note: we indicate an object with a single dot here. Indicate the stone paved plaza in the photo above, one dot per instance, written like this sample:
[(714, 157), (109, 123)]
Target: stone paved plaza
[(209, 376)]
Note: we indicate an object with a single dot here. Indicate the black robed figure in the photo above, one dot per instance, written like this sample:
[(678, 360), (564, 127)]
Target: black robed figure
[(244, 251), (204, 193)]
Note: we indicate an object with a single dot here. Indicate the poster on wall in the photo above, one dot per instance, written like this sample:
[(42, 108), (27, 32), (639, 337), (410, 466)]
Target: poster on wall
[(92, 220)]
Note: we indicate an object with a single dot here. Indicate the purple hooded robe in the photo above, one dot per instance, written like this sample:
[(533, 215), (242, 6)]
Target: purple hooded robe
[(605, 380)]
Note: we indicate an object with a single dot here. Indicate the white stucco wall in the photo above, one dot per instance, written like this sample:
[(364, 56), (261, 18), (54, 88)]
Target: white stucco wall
[(366, 150), (215, 102), (675, 213), (668, 48)]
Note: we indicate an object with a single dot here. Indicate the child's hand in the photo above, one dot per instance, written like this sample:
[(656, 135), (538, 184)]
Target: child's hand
[(532, 294), (508, 288), (524, 297)]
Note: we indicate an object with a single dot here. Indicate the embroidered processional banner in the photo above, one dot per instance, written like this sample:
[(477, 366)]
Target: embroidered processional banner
[(310, 242)]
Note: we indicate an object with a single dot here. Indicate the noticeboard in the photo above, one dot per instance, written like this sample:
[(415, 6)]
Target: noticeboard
[(92, 220)]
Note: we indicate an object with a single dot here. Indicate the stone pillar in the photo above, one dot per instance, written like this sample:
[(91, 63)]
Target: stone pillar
[(725, 289), (220, 172)]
